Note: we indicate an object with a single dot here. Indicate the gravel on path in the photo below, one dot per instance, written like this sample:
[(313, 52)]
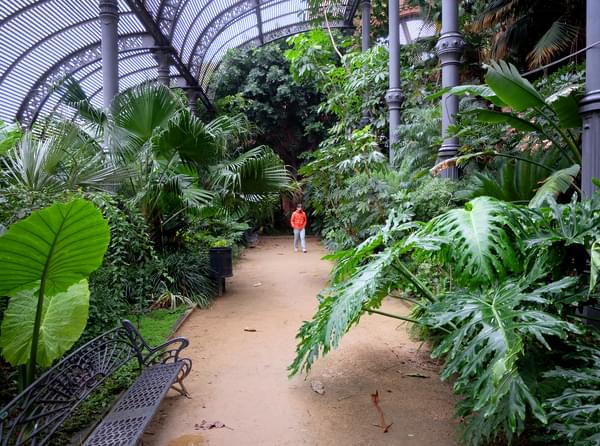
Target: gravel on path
[(242, 345)]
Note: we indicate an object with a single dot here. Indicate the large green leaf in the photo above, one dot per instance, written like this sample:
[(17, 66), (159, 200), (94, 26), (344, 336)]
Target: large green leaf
[(10, 135), (56, 246), (566, 106), (513, 89), (478, 248), (487, 334), (557, 183), (63, 319), (473, 90), (496, 117)]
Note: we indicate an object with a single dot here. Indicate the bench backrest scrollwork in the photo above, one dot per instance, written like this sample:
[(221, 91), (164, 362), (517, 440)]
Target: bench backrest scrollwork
[(35, 414)]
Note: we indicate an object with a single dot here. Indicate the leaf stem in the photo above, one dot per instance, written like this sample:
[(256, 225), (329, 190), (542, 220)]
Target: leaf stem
[(402, 269), (394, 316)]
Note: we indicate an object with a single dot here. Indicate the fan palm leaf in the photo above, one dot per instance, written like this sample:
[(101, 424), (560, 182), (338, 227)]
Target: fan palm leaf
[(32, 164)]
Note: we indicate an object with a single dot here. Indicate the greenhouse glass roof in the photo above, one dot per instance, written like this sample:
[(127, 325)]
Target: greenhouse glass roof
[(44, 41)]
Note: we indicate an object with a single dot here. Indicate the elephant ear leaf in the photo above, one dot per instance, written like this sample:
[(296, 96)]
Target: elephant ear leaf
[(63, 320), (53, 248)]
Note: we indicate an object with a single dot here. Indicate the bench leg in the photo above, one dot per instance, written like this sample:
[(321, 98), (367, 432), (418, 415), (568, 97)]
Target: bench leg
[(181, 389)]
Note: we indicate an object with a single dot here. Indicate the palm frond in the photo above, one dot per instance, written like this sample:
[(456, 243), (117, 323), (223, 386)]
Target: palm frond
[(230, 132), (73, 95), (257, 171), (515, 179), (559, 37), (145, 109), (32, 164), (187, 135)]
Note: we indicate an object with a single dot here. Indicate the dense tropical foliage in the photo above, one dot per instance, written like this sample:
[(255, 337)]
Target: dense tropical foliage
[(500, 269), (167, 184)]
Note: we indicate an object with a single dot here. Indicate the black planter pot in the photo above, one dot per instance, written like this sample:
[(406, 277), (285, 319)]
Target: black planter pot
[(221, 265)]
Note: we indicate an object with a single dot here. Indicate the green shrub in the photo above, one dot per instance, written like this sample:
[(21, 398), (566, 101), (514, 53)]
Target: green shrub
[(131, 271), (188, 273), (433, 197)]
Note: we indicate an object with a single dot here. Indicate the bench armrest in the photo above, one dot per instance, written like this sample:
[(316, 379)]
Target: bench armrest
[(166, 352)]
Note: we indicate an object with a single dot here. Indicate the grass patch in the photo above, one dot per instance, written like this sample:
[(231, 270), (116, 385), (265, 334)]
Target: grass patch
[(158, 324)]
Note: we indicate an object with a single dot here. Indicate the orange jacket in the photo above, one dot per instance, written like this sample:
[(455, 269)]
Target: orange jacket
[(298, 220)]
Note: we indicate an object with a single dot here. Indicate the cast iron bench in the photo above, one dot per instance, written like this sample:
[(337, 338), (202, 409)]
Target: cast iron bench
[(35, 414)]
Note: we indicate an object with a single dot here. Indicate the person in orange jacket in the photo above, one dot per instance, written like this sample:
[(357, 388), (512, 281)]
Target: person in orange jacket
[(298, 222)]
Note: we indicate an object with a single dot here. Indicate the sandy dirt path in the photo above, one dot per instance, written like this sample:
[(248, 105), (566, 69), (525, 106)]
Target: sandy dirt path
[(239, 377)]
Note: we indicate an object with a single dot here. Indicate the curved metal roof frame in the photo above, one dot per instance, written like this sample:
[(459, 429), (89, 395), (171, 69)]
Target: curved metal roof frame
[(44, 41)]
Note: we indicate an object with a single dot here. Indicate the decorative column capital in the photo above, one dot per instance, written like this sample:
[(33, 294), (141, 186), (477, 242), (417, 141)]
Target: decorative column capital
[(365, 4), (394, 98), (450, 47), (109, 10)]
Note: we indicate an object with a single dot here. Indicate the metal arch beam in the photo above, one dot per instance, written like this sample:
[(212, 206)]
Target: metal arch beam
[(196, 17), (125, 76), (204, 67), (95, 71), (39, 92), (152, 27), (276, 34), (351, 11), (214, 28), (168, 13), (47, 38)]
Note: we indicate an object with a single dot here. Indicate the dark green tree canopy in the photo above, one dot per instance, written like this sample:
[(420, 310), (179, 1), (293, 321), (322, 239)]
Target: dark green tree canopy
[(258, 83)]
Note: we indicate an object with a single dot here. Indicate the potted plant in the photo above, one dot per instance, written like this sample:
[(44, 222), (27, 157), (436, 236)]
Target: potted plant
[(221, 263)]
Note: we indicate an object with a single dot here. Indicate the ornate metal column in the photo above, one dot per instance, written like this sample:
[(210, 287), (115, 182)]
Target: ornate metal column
[(394, 96), (109, 18), (449, 49), (192, 96), (590, 104), (365, 44), (163, 57), (366, 24)]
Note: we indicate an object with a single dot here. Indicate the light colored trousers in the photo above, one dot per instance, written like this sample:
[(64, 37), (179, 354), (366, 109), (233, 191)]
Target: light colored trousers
[(299, 234)]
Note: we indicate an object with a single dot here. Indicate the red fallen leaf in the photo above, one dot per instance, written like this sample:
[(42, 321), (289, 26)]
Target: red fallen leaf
[(383, 424)]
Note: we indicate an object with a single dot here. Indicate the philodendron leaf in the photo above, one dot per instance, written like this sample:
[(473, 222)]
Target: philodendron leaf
[(63, 319), (58, 246)]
